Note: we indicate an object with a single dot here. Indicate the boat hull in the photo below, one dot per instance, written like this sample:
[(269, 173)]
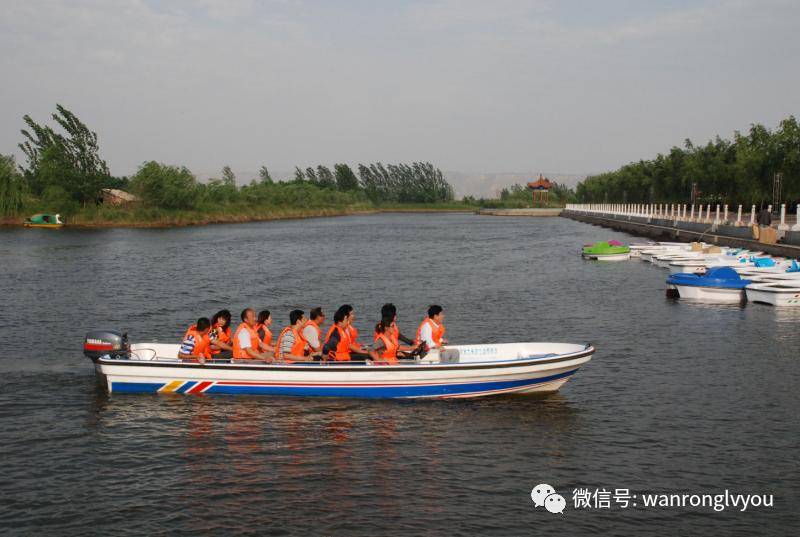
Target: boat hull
[(435, 380), (609, 257), (774, 294), (710, 294)]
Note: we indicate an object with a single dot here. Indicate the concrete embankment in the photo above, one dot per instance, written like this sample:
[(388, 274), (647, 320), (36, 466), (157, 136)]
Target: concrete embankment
[(521, 212), (667, 229)]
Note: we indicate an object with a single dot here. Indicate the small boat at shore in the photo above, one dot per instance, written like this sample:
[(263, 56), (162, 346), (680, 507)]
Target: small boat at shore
[(458, 371), (604, 251), (717, 284), (775, 293), (52, 221)]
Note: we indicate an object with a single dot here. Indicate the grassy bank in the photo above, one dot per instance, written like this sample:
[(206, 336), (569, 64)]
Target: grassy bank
[(137, 216)]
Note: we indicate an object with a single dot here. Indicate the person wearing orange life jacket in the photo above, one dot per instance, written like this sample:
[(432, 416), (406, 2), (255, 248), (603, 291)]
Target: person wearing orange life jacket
[(246, 343), (220, 335), (196, 343), (387, 345), (431, 330), (263, 323), (291, 346), (390, 311), (339, 345), (312, 332)]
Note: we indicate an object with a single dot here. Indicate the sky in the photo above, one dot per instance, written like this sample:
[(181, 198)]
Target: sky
[(474, 86)]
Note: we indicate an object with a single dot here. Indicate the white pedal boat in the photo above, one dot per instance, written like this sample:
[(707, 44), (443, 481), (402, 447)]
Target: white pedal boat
[(459, 371), (776, 293), (721, 285)]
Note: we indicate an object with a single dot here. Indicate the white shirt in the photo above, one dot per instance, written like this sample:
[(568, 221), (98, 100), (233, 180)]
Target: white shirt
[(244, 339), (310, 335), (426, 334)]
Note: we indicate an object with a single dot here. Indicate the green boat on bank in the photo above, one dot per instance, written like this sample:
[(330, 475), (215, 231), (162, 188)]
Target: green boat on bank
[(603, 251), (44, 220)]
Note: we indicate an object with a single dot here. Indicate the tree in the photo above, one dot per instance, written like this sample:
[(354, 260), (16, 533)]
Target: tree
[(12, 187), (346, 180), (70, 161), (299, 176), (264, 176), (168, 187), (325, 177), (311, 175), (228, 177)]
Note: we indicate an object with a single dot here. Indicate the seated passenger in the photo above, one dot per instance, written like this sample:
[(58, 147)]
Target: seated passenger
[(196, 344), (246, 343), (264, 333), (339, 345), (390, 311), (291, 346), (221, 344), (312, 332), (431, 330), (386, 343)]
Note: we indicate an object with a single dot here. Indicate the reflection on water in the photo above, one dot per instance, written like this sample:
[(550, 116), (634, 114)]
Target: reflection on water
[(679, 396)]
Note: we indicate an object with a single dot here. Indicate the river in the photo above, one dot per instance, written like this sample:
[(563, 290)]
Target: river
[(679, 398)]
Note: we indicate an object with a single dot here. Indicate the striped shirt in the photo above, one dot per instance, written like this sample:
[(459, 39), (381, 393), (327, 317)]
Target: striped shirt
[(187, 347), (287, 342)]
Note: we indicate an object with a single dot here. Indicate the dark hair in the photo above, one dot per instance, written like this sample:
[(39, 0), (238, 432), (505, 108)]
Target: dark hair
[(316, 313), (434, 311), (263, 315), (343, 311), (295, 316), (388, 310), (203, 324), (385, 323), (244, 312), (224, 314)]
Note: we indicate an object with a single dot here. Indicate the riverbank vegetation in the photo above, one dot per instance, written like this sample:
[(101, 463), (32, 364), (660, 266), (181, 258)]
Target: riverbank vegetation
[(738, 171), (64, 173)]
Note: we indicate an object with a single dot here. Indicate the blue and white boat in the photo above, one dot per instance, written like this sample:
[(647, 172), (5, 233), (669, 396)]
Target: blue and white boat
[(458, 371), (717, 284)]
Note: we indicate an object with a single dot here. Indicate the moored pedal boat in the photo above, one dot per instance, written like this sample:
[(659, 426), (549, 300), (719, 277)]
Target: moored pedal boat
[(459, 371), (717, 284), (776, 293)]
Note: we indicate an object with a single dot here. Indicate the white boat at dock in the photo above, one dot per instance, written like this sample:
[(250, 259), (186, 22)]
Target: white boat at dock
[(776, 293), (458, 371)]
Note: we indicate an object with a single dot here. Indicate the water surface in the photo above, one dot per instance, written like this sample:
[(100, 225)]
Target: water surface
[(679, 397)]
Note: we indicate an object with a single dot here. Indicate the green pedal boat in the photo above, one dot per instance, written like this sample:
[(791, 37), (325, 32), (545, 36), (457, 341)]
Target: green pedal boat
[(603, 251)]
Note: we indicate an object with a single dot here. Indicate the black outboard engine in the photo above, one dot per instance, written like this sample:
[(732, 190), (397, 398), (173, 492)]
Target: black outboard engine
[(105, 343)]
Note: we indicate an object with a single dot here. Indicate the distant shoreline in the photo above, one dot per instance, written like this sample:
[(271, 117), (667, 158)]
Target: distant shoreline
[(188, 219)]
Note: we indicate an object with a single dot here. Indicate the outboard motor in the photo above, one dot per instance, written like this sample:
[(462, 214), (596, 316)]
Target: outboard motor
[(110, 343)]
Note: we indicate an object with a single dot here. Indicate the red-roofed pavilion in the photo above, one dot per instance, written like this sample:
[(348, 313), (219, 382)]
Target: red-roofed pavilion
[(541, 189)]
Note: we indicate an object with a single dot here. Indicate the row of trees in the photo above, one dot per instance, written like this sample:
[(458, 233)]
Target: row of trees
[(738, 171), (64, 170)]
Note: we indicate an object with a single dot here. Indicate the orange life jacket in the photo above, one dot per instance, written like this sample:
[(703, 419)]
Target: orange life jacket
[(188, 330), (202, 345), (266, 339), (437, 331), (342, 351), (238, 351), (223, 335), (298, 347), (390, 346)]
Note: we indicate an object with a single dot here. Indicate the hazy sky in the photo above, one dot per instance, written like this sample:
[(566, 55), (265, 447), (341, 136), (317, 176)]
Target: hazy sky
[(474, 85)]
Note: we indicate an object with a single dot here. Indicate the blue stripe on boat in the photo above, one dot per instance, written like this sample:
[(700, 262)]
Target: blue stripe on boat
[(376, 392)]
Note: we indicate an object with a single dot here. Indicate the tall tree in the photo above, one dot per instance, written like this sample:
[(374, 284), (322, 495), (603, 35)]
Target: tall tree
[(299, 176), (325, 177), (68, 160), (264, 176), (228, 177), (12, 187), (346, 180)]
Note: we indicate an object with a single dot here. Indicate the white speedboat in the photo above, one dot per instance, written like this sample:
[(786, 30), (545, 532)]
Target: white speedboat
[(458, 371), (776, 293)]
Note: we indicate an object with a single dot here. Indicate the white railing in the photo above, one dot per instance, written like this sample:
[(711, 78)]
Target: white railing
[(708, 214)]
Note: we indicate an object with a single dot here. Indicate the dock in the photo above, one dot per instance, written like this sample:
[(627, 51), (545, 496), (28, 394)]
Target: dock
[(521, 212), (669, 227)]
